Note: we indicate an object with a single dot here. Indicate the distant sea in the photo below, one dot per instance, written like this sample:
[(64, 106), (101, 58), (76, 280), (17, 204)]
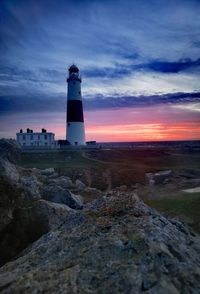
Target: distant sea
[(181, 144)]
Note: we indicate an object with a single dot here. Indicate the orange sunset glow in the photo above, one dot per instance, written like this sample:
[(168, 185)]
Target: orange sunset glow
[(155, 123), (145, 132)]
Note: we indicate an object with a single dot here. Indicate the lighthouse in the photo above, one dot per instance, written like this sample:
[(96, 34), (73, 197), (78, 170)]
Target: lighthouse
[(75, 121)]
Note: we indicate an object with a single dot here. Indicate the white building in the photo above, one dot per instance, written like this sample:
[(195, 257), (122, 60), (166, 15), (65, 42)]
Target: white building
[(41, 139)]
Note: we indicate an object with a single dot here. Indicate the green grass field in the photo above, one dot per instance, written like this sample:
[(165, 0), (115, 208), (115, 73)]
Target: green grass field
[(112, 167)]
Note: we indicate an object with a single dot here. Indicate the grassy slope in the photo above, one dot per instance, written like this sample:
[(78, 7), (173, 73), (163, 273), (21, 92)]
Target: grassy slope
[(186, 207), (57, 159), (105, 169)]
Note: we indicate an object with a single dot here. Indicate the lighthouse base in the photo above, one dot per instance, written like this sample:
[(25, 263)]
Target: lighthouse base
[(76, 133)]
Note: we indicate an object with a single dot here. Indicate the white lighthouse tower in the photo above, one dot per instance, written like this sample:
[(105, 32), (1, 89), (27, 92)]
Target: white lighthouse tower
[(75, 120)]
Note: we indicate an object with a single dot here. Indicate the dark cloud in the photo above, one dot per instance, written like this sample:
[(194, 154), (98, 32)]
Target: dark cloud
[(57, 103), (160, 66), (31, 103), (101, 102), (171, 67), (106, 72)]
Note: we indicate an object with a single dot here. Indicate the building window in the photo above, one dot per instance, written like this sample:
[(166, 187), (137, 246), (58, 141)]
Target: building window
[(45, 137), (24, 144), (38, 136), (46, 143), (24, 137), (74, 83), (31, 137)]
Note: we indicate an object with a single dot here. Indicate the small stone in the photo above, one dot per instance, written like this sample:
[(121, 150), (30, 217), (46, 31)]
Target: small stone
[(47, 171)]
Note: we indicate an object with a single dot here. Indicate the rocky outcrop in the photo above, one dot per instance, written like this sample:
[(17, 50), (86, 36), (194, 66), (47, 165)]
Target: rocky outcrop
[(57, 194), (10, 153), (10, 150), (63, 182), (80, 185), (48, 171), (31, 184), (115, 243), (159, 177), (24, 215), (9, 170)]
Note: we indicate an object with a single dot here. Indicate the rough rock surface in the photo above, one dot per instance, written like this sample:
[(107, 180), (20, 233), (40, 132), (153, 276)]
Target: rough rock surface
[(9, 149), (115, 245), (24, 216), (159, 177), (63, 181), (9, 170), (10, 153), (80, 185), (48, 171), (31, 184), (59, 195)]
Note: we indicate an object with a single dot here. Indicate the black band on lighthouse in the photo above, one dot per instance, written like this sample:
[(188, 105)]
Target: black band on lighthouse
[(74, 111)]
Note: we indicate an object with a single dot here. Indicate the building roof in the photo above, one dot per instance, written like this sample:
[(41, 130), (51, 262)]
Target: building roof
[(40, 133)]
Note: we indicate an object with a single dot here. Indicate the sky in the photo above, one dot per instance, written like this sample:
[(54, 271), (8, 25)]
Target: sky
[(139, 61)]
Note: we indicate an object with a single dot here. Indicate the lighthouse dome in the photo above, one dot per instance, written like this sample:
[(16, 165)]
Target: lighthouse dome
[(73, 69)]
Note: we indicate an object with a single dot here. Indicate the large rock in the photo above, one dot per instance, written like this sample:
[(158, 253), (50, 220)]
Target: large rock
[(10, 149), (29, 222), (10, 197), (159, 177), (59, 195), (23, 216), (9, 170), (117, 245), (57, 214), (62, 181), (80, 185), (32, 185)]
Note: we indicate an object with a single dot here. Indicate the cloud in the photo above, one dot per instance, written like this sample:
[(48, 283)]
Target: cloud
[(101, 102), (171, 67), (122, 70), (14, 73), (57, 102), (109, 40)]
